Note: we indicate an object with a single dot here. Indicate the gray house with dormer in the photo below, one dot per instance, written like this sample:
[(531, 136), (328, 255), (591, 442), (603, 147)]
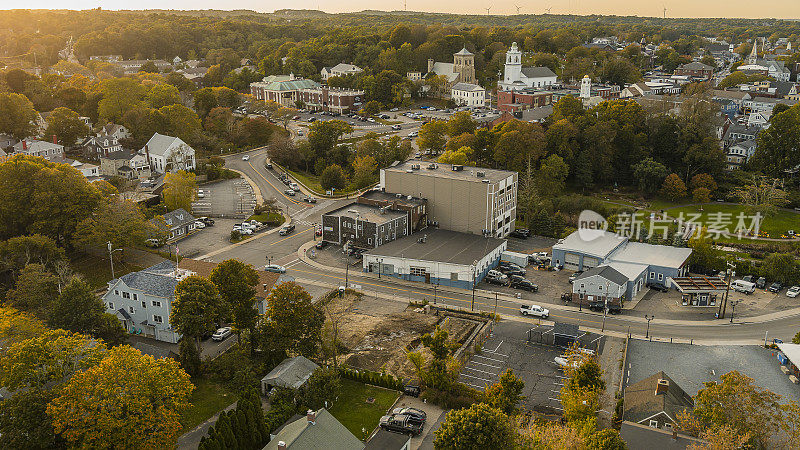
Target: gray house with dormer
[(142, 301)]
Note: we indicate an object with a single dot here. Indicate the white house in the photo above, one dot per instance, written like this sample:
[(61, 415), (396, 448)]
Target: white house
[(740, 153), (466, 94), (516, 77), (167, 153), (46, 150), (339, 70)]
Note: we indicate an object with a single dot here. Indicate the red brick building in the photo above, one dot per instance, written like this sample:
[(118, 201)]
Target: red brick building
[(512, 101), (695, 70)]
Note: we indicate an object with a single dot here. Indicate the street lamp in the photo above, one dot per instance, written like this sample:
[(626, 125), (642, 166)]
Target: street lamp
[(380, 267), (648, 318), (474, 267), (733, 307), (729, 271), (111, 251)]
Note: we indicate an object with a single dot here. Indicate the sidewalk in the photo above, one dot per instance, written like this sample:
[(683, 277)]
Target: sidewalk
[(303, 256)]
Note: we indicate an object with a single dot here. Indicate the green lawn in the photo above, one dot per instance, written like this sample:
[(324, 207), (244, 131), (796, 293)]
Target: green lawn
[(774, 225), (273, 217), (353, 411), (312, 182), (208, 398), (97, 271)]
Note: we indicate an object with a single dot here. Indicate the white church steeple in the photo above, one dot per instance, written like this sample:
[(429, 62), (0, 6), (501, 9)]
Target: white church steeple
[(513, 67)]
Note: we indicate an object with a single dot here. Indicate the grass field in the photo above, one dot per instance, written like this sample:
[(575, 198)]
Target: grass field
[(774, 226), (353, 411), (97, 271), (207, 399), (312, 182)]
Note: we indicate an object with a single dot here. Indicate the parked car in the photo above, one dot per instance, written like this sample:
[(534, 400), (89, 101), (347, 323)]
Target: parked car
[(413, 134), (290, 192), (287, 229), (793, 291), (534, 310), (209, 222), (748, 278), (274, 268), (518, 234), (775, 287), (761, 283), (221, 334), (269, 166), (312, 119), (199, 225), (153, 243), (310, 200), (321, 244), (413, 413), (401, 423), (397, 127), (495, 277), (294, 186), (658, 287), (525, 284), (246, 158), (200, 193), (243, 230), (512, 271), (256, 223), (574, 276)]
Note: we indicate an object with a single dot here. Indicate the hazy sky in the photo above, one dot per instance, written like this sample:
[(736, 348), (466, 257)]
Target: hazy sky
[(787, 9)]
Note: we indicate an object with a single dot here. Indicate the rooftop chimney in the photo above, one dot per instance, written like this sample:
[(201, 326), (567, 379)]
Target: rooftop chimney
[(24, 144), (147, 152), (674, 434), (311, 416), (55, 139), (281, 445), (662, 386)]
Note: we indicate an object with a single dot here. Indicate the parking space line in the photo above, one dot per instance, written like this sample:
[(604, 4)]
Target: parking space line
[(495, 353), (490, 359), (477, 378), (479, 370), (484, 364), (498, 347), (475, 385)]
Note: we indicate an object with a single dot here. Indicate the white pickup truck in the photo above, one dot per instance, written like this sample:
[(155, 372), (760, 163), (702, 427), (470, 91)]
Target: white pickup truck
[(534, 310)]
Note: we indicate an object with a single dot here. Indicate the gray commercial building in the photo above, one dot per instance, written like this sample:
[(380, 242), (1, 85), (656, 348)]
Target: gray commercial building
[(460, 198), (437, 256), (364, 226)]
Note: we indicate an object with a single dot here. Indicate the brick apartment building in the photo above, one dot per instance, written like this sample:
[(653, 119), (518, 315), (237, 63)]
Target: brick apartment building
[(512, 101), (695, 70)]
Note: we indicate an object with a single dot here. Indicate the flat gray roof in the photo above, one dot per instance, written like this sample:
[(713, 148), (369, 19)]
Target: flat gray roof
[(366, 212), (440, 245), (389, 197), (652, 255), (600, 247), (468, 173)]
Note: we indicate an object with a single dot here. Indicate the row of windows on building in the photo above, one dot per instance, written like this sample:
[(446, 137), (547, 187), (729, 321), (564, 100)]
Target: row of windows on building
[(156, 318), (422, 271)]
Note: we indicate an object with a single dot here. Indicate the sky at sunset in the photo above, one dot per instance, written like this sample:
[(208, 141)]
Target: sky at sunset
[(786, 9)]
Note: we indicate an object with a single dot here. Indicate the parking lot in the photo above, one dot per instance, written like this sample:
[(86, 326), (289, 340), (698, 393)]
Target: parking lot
[(533, 362), (206, 240), (227, 198)]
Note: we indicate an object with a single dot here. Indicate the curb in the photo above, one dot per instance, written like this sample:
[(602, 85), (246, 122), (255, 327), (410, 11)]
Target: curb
[(256, 189), (301, 254)]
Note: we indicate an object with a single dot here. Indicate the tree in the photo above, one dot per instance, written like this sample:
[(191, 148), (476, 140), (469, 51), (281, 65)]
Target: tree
[(371, 108), (460, 123), (204, 101), (292, 323), (119, 96), (588, 375), (196, 309), (781, 267), (181, 121), (20, 251), (189, 357), (48, 359), (478, 427), (236, 283), (35, 289), (19, 117), (92, 411), (606, 439), (737, 403), (162, 95), (16, 326), (436, 374), (118, 221), (432, 136), (77, 308), (703, 180), (332, 178), (180, 189), (701, 195), (284, 116), (459, 156), (24, 422), (650, 175), (322, 389), (257, 131), (551, 175), (506, 394), (110, 330), (66, 126), (364, 168), (673, 187), (762, 194), (149, 67), (324, 135)]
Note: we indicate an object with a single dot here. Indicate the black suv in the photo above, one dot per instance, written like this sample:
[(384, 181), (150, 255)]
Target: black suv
[(413, 413), (658, 287), (525, 285), (402, 423), (775, 287), (518, 234), (511, 270)]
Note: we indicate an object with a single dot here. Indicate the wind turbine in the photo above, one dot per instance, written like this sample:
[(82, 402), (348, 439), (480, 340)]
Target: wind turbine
[(518, 8), (487, 10), (665, 11), (548, 9)]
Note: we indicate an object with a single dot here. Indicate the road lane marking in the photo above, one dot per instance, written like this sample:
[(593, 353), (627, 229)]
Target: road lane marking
[(293, 235), (273, 186)]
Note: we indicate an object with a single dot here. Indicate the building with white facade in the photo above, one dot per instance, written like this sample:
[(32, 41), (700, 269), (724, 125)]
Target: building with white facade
[(340, 70), (466, 94), (168, 154), (516, 77)]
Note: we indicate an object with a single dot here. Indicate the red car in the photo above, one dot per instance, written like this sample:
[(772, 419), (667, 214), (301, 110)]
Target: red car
[(318, 231)]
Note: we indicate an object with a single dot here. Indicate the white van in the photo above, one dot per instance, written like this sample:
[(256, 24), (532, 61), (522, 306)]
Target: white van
[(743, 286)]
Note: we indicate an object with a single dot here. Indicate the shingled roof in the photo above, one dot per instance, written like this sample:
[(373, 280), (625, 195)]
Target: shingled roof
[(642, 401)]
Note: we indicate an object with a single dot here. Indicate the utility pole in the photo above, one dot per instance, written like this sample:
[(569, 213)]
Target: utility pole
[(648, 318), (111, 251), (494, 314), (605, 307), (474, 268), (724, 305)]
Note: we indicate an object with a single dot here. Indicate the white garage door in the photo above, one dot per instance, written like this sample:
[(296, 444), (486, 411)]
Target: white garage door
[(572, 261), (589, 262)]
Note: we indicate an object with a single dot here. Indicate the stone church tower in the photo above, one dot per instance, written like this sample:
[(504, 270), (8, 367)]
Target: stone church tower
[(464, 66)]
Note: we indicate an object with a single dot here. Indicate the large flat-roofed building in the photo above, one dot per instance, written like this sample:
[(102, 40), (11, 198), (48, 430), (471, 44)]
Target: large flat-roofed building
[(437, 256), (460, 198), (364, 226)]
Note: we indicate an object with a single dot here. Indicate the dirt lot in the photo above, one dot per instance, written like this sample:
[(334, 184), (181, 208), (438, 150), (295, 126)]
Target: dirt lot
[(375, 338)]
